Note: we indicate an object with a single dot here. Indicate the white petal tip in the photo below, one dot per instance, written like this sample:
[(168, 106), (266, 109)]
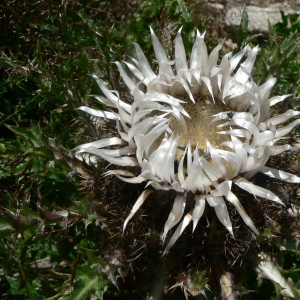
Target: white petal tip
[(230, 231)]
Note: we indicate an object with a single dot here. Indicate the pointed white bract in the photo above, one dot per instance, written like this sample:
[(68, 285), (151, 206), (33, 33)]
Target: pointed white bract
[(195, 127)]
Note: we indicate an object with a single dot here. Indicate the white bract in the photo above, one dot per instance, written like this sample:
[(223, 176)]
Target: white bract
[(195, 127)]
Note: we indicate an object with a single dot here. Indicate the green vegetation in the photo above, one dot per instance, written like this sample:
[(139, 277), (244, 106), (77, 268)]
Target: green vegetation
[(58, 230)]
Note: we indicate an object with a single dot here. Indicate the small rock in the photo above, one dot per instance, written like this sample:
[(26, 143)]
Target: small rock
[(258, 16)]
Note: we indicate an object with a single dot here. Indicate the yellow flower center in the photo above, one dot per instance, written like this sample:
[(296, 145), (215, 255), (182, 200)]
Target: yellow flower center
[(198, 126)]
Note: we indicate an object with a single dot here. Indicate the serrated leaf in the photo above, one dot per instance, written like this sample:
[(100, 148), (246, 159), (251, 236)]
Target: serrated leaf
[(90, 218), (87, 280), (33, 135), (21, 168), (93, 259), (42, 151)]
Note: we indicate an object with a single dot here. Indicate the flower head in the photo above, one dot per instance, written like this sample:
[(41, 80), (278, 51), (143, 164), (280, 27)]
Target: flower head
[(195, 127)]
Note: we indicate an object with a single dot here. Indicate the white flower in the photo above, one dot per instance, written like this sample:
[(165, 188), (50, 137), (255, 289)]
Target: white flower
[(197, 128)]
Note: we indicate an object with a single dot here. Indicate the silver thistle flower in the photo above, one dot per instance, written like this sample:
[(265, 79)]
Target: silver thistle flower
[(197, 128)]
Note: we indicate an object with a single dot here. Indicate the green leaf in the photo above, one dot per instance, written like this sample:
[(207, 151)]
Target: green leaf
[(185, 14), (87, 279), (271, 29), (245, 19), (90, 219), (48, 27), (6, 227), (22, 223), (34, 135), (15, 288)]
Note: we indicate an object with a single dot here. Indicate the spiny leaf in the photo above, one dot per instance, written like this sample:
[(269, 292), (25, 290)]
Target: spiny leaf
[(88, 279), (34, 135)]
